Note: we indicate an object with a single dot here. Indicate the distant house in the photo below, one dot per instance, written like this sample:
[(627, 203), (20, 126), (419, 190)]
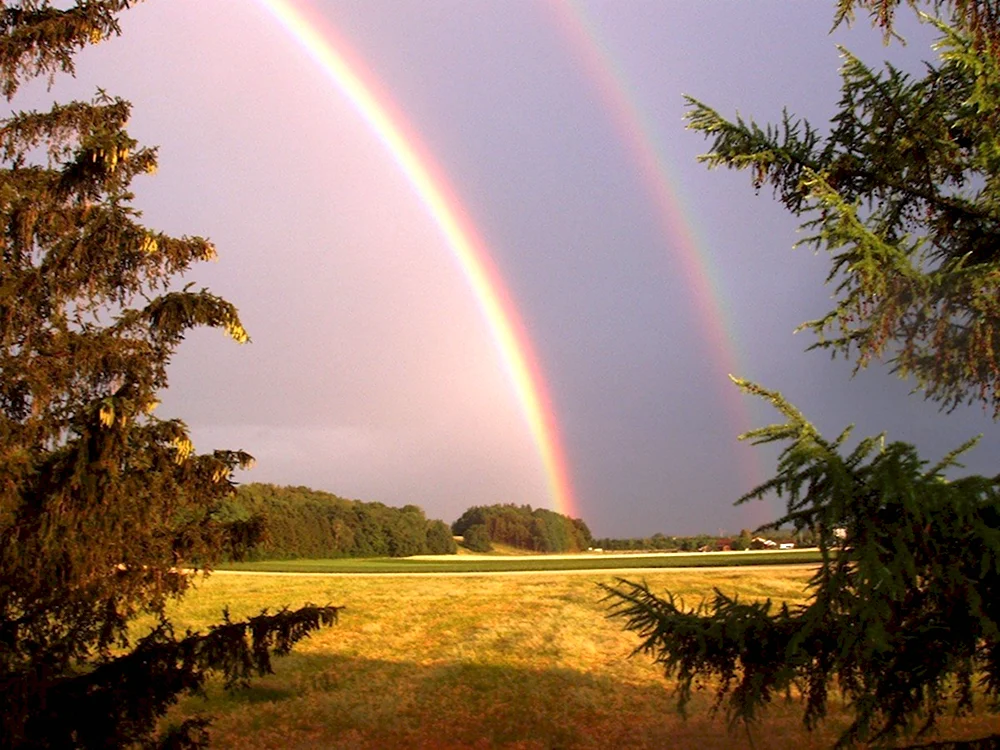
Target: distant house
[(759, 542)]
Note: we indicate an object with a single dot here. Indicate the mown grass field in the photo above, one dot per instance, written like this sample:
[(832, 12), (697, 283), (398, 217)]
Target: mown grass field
[(487, 661), (507, 563)]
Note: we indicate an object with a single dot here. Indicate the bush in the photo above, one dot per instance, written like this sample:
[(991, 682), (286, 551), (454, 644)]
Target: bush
[(477, 538)]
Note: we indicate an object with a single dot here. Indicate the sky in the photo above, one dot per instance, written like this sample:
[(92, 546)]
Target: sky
[(631, 279)]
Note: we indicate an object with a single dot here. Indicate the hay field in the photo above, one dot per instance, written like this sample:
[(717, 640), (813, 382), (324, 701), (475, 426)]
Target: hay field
[(490, 661)]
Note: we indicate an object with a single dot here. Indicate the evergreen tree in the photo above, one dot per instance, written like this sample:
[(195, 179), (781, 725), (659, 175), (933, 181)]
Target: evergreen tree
[(904, 192), (904, 612), (980, 18), (104, 508)]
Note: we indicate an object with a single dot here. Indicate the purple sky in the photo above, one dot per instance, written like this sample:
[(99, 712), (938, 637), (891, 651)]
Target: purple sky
[(371, 373)]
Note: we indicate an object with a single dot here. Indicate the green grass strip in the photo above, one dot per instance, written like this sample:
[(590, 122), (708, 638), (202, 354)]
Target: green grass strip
[(384, 565)]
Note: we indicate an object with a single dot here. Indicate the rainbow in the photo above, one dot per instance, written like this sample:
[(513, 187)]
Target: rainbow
[(350, 77), (694, 259)]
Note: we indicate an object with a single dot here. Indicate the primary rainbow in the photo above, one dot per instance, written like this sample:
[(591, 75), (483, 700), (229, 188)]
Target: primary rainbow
[(694, 259), (331, 54)]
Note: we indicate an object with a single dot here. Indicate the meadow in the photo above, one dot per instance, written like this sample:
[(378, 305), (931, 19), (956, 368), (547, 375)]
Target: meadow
[(480, 661), (511, 561)]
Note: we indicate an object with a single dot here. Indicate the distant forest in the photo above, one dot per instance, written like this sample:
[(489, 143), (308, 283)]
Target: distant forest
[(269, 522), (538, 530), (279, 523)]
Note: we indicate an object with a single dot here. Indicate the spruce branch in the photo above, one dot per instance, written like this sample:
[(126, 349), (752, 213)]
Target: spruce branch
[(903, 609)]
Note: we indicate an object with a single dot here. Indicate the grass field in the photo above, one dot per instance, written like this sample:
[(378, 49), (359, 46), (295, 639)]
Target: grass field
[(506, 563), (487, 661)]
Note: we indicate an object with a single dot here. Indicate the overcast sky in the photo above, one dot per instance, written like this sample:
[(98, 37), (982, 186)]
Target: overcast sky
[(372, 373)]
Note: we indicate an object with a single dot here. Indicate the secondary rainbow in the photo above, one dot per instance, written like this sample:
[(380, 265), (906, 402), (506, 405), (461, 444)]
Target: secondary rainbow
[(349, 75), (695, 261)]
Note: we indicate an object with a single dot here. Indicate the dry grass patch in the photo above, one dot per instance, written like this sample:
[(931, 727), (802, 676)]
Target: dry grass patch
[(473, 662)]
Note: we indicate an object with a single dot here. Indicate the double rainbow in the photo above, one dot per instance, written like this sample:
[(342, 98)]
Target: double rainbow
[(332, 55), (603, 70), (348, 74)]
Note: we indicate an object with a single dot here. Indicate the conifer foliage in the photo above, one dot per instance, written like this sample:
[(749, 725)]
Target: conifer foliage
[(903, 617), (904, 193), (904, 612), (104, 508)]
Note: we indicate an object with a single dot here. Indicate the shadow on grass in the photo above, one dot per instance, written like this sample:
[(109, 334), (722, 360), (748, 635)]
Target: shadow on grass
[(338, 702), (333, 701)]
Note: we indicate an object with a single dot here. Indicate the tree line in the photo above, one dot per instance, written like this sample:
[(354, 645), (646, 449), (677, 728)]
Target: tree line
[(280, 523), (744, 540), (538, 530)]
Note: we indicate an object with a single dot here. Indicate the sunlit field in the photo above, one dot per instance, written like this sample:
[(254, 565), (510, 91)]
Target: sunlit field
[(470, 563), (491, 661)]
